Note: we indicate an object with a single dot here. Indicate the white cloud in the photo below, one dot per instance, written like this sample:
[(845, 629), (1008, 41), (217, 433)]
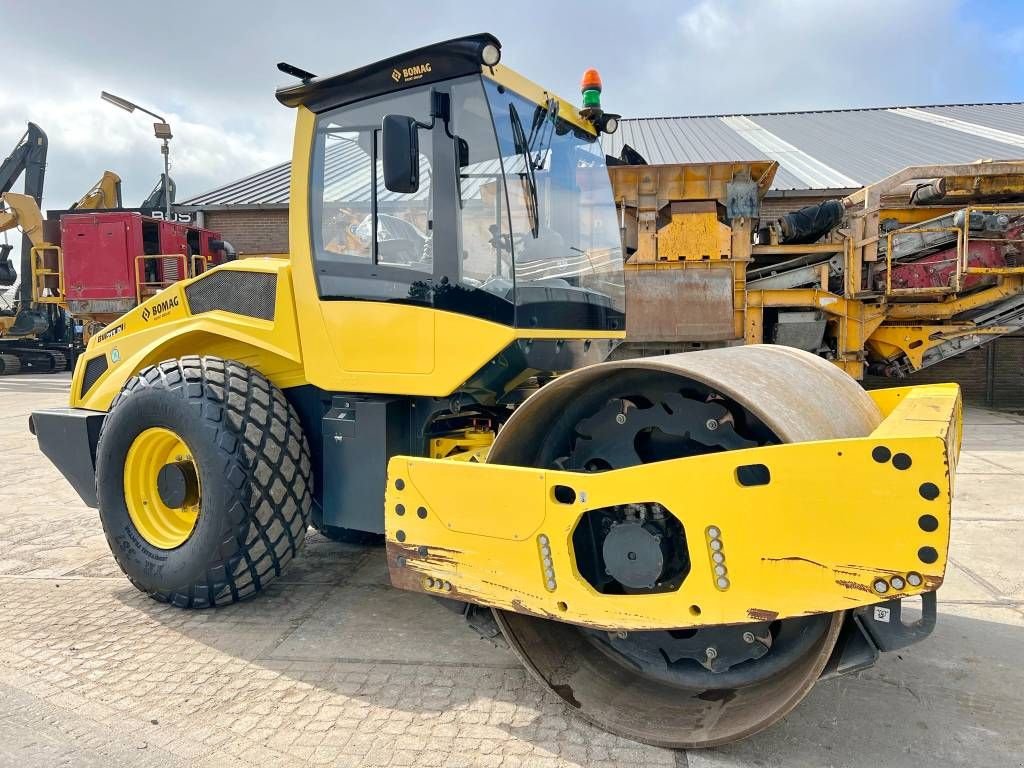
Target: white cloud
[(87, 135), (781, 55)]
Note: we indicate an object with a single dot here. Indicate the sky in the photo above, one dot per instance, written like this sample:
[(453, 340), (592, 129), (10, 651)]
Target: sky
[(210, 67)]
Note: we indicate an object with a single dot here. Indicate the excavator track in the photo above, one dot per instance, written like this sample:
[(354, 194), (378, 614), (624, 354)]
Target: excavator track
[(9, 365), (696, 687), (32, 360)]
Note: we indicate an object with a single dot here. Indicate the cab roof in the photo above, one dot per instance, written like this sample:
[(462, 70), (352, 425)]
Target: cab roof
[(429, 64)]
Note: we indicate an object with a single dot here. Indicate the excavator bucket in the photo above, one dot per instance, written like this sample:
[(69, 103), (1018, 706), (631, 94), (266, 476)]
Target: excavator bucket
[(8, 274)]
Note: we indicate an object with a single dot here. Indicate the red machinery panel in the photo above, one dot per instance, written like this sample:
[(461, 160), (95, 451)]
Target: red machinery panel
[(99, 252), (173, 239), (213, 257), (938, 270)]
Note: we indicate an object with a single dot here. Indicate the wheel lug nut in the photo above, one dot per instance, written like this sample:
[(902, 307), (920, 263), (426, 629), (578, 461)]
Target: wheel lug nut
[(711, 424), (711, 652), (748, 637)]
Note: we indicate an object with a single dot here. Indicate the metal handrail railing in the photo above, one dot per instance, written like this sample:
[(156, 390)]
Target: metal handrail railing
[(141, 284), (40, 274), (963, 268)]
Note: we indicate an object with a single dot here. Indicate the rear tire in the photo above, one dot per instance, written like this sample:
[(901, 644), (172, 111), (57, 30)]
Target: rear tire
[(254, 477)]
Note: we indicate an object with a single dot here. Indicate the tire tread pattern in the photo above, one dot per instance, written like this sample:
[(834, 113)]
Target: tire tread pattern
[(267, 461)]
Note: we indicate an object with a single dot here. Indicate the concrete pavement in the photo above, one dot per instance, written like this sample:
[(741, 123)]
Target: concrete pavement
[(331, 666)]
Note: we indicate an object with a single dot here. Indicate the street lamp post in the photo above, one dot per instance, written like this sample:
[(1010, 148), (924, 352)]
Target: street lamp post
[(162, 130)]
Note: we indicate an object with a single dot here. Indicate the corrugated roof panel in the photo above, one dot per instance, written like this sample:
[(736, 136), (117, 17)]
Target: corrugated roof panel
[(812, 171), (962, 126), (870, 145), (1003, 117), (252, 188), (681, 140)]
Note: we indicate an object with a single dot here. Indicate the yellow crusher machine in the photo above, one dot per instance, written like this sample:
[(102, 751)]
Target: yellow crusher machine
[(677, 546), (900, 275)]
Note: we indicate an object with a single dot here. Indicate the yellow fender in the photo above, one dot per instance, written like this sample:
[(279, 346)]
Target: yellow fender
[(165, 326)]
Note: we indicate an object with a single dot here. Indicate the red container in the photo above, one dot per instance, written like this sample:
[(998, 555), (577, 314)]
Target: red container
[(101, 250), (99, 254)]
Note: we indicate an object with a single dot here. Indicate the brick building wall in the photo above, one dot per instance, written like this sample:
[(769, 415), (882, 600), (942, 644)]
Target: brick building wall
[(263, 230)]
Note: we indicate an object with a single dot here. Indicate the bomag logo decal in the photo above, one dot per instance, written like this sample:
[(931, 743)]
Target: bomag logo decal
[(161, 308), (119, 328), (408, 74)]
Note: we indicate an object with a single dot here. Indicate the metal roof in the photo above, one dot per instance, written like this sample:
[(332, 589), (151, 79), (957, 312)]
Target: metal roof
[(834, 149)]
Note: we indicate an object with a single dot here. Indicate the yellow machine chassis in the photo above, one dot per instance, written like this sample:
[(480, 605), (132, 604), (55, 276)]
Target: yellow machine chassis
[(793, 546)]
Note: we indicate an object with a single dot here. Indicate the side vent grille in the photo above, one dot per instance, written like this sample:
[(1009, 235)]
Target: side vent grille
[(93, 370), (252, 294)]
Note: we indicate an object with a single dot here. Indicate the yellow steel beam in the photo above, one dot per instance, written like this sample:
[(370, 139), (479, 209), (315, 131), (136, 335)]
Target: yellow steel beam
[(796, 250), (805, 542), (1010, 285), (891, 341), (22, 211), (855, 320)]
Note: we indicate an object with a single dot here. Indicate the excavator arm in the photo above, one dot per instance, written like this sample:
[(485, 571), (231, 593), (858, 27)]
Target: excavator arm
[(28, 157), (21, 212), (105, 193)]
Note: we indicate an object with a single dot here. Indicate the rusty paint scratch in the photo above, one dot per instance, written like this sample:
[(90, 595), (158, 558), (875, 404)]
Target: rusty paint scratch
[(793, 558), (854, 585), (760, 614)]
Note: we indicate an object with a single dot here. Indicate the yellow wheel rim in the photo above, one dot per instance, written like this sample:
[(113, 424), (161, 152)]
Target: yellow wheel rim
[(161, 488)]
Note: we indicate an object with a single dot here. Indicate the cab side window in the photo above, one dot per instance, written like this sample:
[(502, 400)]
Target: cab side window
[(347, 190), (404, 221)]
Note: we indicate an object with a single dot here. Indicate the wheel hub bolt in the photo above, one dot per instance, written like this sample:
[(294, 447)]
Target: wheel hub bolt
[(620, 418), (711, 652), (711, 424), (748, 637)]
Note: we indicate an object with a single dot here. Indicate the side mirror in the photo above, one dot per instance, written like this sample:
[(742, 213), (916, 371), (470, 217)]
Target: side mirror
[(401, 150)]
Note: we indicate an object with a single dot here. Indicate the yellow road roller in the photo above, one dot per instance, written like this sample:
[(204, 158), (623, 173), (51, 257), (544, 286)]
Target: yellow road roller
[(677, 546)]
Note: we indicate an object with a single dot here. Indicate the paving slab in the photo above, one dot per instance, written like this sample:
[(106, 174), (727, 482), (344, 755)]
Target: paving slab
[(984, 496), (992, 551), (331, 666)]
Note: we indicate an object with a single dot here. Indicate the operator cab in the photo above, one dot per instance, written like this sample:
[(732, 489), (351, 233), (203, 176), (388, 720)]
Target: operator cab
[(439, 180)]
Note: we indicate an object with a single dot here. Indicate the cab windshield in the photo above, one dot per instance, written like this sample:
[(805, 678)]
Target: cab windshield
[(513, 220), (564, 233)]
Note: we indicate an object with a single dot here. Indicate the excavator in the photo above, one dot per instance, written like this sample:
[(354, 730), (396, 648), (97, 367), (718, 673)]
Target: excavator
[(38, 335), (677, 546), (33, 337)]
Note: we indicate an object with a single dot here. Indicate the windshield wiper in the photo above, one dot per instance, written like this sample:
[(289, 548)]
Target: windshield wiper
[(523, 149), (542, 131)]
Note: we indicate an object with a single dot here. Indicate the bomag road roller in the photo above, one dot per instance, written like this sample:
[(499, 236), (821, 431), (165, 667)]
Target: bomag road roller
[(677, 546)]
